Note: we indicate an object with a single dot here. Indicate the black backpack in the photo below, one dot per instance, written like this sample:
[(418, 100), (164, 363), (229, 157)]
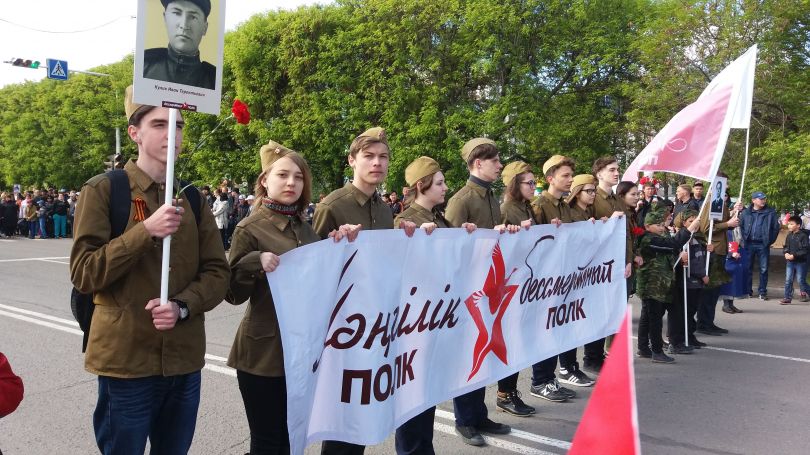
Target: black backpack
[(81, 305)]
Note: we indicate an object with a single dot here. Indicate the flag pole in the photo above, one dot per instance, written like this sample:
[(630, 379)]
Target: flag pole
[(686, 269), (168, 199), (745, 164)]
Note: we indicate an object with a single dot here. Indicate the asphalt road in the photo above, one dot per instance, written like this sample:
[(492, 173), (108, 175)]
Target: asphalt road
[(748, 394)]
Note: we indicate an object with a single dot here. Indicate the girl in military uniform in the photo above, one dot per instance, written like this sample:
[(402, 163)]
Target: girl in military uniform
[(426, 191), (275, 227), (583, 194)]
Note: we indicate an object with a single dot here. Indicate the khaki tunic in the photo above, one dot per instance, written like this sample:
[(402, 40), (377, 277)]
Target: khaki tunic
[(473, 204), (124, 273), (419, 215), (349, 205), (257, 346), (605, 204), (514, 212), (547, 207), (577, 214)]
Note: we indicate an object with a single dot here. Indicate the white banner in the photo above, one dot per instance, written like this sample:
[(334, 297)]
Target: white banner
[(378, 330)]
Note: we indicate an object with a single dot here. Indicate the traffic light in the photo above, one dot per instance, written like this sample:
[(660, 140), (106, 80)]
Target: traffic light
[(25, 63), (116, 161)]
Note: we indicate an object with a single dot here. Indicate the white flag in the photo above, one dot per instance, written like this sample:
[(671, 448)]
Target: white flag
[(740, 72)]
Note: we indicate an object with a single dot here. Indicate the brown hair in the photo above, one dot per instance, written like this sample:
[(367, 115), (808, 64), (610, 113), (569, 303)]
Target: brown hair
[(512, 192), (361, 143), (139, 114), (482, 152), (426, 181), (306, 193), (601, 163)]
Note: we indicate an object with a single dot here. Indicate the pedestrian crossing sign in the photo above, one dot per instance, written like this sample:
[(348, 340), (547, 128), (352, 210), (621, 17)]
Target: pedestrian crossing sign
[(57, 69)]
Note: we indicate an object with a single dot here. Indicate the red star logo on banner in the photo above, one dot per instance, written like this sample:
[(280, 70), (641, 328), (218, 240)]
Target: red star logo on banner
[(499, 294)]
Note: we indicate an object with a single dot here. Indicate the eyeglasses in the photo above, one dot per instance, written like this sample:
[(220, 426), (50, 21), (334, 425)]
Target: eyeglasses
[(529, 182), (589, 191)]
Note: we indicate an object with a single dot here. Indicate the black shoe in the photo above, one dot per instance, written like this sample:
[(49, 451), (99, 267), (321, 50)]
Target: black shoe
[(680, 349), (470, 435), (728, 309), (644, 353), (736, 310), (719, 330), (660, 357), (763, 297), (549, 391), (594, 367), (488, 426), (707, 331), (575, 377), (510, 402), (697, 344)]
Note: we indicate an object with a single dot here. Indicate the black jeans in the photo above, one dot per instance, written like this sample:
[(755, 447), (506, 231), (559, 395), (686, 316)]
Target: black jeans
[(675, 316), (265, 400), (470, 409), (508, 384), (706, 307), (650, 325), (543, 371), (595, 352), (415, 437), (341, 448)]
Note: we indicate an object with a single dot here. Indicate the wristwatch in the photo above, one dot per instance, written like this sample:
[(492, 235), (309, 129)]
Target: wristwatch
[(184, 313)]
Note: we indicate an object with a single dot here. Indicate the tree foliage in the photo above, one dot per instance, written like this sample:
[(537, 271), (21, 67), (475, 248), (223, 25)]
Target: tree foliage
[(579, 78)]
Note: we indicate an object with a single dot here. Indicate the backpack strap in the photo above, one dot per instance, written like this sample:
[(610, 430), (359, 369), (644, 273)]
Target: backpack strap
[(120, 205), (193, 197)]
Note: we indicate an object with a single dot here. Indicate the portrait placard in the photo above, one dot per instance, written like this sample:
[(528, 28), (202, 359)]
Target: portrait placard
[(718, 192), (178, 54)]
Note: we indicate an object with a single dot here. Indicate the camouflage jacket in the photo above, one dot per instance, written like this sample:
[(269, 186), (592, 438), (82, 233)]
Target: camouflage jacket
[(655, 277)]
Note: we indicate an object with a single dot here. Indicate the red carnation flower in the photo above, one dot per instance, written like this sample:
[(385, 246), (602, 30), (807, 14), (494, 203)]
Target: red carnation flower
[(638, 232), (240, 112)]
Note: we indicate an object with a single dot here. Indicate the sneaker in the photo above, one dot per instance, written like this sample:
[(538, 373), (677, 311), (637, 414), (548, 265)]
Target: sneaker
[(697, 344), (470, 435), (763, 297), (680, 349), (488, 426), (644, 353), (570, 394), (593, 367), (805, 298), (575, 377), (510, 402), (784, 301), (660, 357), (549, 391)]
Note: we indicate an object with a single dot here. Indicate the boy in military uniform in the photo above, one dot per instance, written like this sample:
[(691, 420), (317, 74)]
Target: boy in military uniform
[(655, 280), (147, 355), (475, 203), (358, 205), (550, 208)]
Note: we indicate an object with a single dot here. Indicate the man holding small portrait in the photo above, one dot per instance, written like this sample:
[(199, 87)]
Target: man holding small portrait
[(186, 24)]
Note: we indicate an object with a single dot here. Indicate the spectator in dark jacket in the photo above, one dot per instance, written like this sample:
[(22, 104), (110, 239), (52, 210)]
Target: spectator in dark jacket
[(797, 246), (8, 215), (760, 226)]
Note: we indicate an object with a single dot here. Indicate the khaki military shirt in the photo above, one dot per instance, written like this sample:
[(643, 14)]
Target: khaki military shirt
[(473, 204), (547, 207), (164, 64), (349, 205), (578, 214), (514, 212), (420, 215), (124, 274), (257, 346), (605, 204)]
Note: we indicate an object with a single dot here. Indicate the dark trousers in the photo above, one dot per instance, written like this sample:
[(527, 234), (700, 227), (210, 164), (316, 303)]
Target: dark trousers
[(706, 307), (265, 400), (470, 408), (762, 252), (162, 408), (675, 316), (415, 437), (650, 325), (341, 448), (543, 371), (594, 352), (508, 384)]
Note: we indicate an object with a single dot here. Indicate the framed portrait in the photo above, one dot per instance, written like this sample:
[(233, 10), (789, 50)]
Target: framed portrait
[(718, 192), (178, 54)]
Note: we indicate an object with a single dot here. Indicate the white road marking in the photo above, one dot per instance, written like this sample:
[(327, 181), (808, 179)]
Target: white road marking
[(36, 259), (495, 442), (41, 322), (39, 315), (55, 262), (759, 354), (517, 433)]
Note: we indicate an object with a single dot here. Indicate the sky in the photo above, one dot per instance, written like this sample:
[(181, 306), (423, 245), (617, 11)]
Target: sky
[(99, 31)]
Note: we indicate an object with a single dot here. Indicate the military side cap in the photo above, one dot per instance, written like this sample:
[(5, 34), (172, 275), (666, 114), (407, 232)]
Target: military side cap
[(553, 161), (205, 5), (130, 106), (583, 179), (377, 133), (655, 215), (468, 148), (511, 170), (420, 168), (272, 152)]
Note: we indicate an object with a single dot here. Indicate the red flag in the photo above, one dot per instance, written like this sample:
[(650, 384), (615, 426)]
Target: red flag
[(610, 422)]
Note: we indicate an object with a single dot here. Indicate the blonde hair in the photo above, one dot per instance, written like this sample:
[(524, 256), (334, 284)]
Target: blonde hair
[(306, 193)]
